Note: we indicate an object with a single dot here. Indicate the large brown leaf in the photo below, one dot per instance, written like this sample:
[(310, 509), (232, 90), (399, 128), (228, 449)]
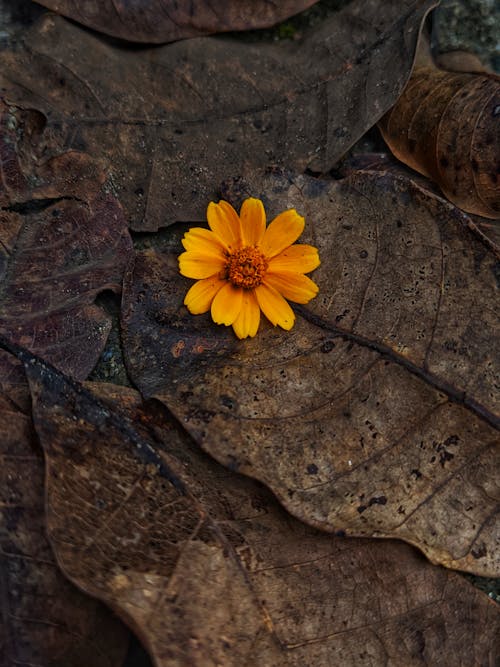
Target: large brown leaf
[(209, 570), (55, 258), (377, 414), (45, 619), (173, 122), (158, 21), (446, 125)]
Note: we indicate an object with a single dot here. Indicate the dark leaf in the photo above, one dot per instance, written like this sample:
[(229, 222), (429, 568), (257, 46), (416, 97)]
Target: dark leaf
[(387, 163), (45, 619), (25, 171), (57, 254), (158, 21), (173, 122), (378, 413), (207, 567), (447, 126)]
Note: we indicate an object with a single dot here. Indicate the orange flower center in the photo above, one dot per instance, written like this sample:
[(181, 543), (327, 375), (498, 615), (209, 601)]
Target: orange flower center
[(246, 267)]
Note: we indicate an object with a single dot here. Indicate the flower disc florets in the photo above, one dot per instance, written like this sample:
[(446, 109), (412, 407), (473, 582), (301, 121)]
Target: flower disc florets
[(246, 267)]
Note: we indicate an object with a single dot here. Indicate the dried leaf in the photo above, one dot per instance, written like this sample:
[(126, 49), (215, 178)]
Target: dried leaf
[(489, 230), (461, 61), (209, 570), (63, 257), (446, 126), (25, 171), (55, 257), (377, 414), (171, 138), (45, 619), (13, 382), (158, 21)]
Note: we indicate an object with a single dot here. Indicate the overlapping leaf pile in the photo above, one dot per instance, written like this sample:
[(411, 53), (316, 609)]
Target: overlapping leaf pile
[(174, 122), (206, 567), (375, 417)]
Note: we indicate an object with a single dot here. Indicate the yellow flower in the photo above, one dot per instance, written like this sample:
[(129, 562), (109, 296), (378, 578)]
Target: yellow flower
[(242, 267)]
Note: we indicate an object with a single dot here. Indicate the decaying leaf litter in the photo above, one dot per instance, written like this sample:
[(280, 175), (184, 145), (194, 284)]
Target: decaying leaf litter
[(169, 144), (47, 616), (49, 144), (155, 518)]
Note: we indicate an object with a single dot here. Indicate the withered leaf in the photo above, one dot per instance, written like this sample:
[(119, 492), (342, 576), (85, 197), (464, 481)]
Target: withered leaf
[(173, 122), (377, 414), (489, 229), (63, 256), (26, 173), (45, 619), (210, 571), (55, 257), (158, 21), (446, 125)]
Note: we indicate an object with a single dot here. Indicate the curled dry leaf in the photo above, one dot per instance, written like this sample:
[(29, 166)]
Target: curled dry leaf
[(56, 257), (45, 619), (210, 571), (377, 414), (159, 21), (171, 138), (446, 125)]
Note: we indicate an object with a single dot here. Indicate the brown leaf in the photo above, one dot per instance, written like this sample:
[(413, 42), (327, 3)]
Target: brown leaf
[(174, 122), (209, 570), (158, 21), (64, 256), (461, 61), (55, 257), (488, 229), (45, 619), (377, 414), (13, 382), (27, 174), (446, 126)]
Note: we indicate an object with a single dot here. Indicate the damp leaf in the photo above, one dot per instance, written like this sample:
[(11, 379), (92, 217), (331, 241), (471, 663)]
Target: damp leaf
[(170, 139), (377, 414), (446, 125), (159, 21), (207, 568)]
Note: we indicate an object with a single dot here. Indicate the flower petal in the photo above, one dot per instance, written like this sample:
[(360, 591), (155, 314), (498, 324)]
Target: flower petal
[(274, 307), (198, 265), (202, 240), (225, 223), (284, 230), (301, 258), (253, 221), (293, 286), (200, 296), (247, 322), (226, 305)]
